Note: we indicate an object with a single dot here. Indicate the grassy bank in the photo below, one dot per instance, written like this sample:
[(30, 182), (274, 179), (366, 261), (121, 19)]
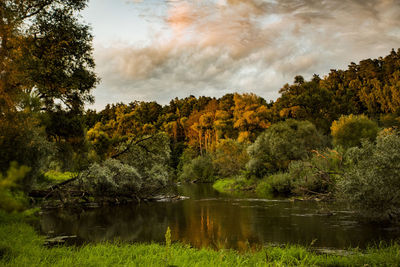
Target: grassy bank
[(241, 186)]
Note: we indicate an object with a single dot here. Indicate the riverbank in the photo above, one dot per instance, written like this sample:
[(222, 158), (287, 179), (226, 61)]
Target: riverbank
[(265, 188), (241, 186), (20, 245)]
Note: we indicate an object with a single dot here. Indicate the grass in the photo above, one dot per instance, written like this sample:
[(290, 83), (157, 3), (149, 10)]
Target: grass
[(52, 177), (241, 187), (234, 185), (20, 245), (224, 185)]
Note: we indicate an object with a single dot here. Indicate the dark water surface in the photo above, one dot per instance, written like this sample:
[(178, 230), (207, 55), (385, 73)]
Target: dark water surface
[(215, 220)]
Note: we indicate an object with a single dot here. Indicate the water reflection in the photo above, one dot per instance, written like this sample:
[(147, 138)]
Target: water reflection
[(213, 220)]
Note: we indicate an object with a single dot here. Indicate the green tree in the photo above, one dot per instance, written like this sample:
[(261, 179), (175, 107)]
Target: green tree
[(46, 65), (349, 130), (45, 48), (306, 101), (280, 144), (140, 167), (23, 140), (229, 158), (199, 169)]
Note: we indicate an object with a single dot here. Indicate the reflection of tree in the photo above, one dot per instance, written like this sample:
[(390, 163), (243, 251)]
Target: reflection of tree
[(128, 223), (211, 224)]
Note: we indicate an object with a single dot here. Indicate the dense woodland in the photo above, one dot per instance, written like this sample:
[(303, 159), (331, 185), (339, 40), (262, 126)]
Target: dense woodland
[(334, 136)]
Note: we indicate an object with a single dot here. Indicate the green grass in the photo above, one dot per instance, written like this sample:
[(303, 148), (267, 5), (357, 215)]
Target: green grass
[(224, 185), (20, 245), (57, 176), (243, 187), (52, 177)]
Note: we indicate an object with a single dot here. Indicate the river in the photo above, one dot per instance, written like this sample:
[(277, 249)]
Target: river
[(211, 219)]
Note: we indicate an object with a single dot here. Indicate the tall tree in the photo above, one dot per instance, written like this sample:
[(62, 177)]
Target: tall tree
[(45, 48), (45, 56)]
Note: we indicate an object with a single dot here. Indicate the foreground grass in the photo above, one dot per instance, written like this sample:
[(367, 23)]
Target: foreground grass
[(20, 245)]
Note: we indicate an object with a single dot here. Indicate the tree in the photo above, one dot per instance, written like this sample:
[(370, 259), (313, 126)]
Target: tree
[(280, 144), (138, 169), (251, 116), (349, 130), (46, 58), (199, 169), (229, 157), (23, 140), (372, 182), (44, 48), (306, 101)]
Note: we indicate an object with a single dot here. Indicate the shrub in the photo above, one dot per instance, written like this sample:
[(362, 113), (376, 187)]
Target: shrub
[(349, 130), (140, 169), (187, 156), (280, 183), (264, 189), (112, 178), (318, 175), (372, 182), (11, 197), (200, 169), (229, 158), (24, 141), (280, 144)]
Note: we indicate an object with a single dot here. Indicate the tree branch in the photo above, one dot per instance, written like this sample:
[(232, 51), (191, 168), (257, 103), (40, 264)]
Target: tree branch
[(131, 143)]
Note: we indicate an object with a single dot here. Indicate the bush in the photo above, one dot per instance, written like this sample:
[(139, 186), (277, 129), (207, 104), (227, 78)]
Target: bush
[(11, 197), (314, 176), (349, 130), (372, 182), (280, 183), (200, 169), (229, 158), (112, 178), (187, 156), (24, 141), (264, 189), (151, 159), (280, 144), (318, 175), (141, 169)]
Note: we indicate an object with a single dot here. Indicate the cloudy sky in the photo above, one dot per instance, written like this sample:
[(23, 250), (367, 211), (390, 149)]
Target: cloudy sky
[(162, 49)]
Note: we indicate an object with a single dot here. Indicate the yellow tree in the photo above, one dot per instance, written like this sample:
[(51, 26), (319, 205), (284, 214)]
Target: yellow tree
[(251, 116)]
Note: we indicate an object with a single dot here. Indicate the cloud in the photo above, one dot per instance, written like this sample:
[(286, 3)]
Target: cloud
[(211, 47)]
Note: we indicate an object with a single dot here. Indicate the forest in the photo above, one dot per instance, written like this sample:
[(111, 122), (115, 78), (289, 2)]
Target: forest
[(330, 138)]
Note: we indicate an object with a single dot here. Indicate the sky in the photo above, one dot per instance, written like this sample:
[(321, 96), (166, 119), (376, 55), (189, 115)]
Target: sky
[(156, 50)]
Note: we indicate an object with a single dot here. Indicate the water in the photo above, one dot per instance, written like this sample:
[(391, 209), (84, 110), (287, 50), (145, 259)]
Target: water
[(211, 219)]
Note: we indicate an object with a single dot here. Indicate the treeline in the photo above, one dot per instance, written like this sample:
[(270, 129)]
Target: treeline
[(313, 141), (370, 87)]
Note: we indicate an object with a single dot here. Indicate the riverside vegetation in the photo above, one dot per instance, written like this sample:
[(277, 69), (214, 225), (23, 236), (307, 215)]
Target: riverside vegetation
[(333, 138)]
